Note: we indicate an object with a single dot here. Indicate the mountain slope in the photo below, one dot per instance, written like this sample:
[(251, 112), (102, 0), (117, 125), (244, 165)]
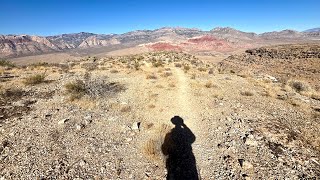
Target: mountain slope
[(312, 30), (182, 39)]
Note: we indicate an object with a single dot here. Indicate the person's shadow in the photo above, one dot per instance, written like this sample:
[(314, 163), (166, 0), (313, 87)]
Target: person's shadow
[(180, 162)]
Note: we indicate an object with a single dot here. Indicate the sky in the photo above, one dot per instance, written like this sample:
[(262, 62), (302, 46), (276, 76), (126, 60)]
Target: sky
[(51, 17)]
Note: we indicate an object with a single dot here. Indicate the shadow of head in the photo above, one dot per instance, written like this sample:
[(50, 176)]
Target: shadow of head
[(177, 120)]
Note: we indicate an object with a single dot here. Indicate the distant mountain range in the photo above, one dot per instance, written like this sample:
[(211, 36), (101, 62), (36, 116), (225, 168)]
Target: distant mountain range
[(221, 39), (313, 30)]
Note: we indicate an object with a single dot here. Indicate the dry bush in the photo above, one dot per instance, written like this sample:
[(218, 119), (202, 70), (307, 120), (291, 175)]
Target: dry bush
[(75, 89), (6, 63), (151, 106), (178, 65), (159, 86), (157, 63), (186, 68), (136, 65), (166, 74), (172, 84), (210, 71), (151, 76), (218, 95), (209, 84), (152, 148), (246, 93), (193, 76), (315, 96), (35, 79), (299, 86), (202, 69), (244, 73), (125, 108), (114, 71), (11, 93), (40, 64)]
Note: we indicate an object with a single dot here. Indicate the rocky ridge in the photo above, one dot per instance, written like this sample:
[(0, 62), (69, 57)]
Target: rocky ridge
[(20, 45)]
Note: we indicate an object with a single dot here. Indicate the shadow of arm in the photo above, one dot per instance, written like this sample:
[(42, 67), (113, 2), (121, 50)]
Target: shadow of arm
[(190, 135)]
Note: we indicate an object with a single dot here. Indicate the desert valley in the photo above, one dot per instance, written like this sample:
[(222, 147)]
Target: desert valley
[(147, 104)]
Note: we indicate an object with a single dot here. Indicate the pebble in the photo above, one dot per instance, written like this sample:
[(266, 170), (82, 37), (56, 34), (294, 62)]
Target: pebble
[(136, 126), (63, 121), (79, 127)]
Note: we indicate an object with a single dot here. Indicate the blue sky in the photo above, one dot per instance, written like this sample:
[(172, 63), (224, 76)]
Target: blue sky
[(48, 17)]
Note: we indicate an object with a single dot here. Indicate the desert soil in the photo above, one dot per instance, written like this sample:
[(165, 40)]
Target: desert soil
[(243, 129)]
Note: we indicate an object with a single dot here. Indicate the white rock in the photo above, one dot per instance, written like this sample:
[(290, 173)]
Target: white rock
[(135, 126), (63, 121), (79, 127)]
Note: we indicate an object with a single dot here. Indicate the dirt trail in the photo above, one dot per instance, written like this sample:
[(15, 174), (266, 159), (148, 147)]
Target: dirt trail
[(190, 110)]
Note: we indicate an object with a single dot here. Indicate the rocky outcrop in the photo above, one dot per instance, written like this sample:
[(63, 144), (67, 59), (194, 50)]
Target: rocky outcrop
[(98, 40), (286, 52), (24, 45)]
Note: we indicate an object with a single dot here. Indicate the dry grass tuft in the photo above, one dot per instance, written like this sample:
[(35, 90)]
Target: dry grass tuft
[(6, 63), (178, 65), (35, 79), (299, 86), (157, 63), (171, 84), (151, 76), (202, 69), (209, 84), (247, 93), (125, 108), (152, 147), (75, 89), (186, 68), (151, 106), (166, 74), (114, 71)]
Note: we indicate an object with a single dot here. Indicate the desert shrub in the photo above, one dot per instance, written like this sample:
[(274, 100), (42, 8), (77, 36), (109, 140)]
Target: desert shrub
[(166, 74), (210, 71), (299, 86), (172, 84), (151, 76), (34, 79), (151, 106), (209, 84), (125, 109), (157, 63), (75, 89), (11, 93), (193, 76), (152, 148), (6, 63), (178, 65), (114, 71), (202, 69), (137, 65), (186, 67), (232, 71), (246, 93), (38, 64), (315, 96), (92, 88)]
